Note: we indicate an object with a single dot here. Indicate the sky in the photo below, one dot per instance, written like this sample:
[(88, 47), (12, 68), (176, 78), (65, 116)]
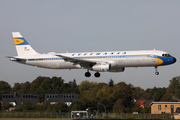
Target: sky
[(91, 25)]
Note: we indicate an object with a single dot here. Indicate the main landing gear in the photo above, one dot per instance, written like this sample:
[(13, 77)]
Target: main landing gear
[(97, 74), (157, 73), (88, 74)]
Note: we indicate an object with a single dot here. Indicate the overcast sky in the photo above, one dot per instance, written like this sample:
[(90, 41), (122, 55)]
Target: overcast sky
[(91, 25)]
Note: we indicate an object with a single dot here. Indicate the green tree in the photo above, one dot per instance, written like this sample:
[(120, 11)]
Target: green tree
[(78, 105), (25, 87), (51, 85), (0, 106), (177, 93), (86, 85), (42, 107), (174, 84), (103, 103), (156, 96), (26, 106), (166, 97), (6, 106), (61, 107), (148, 90), (4, 88), (105, 91), (138, 109), (111, 101), (74, 87), (139, 93), (51, 108), (16, 88), (156, 93), (58, 85), (36, 84), (147, 109), (118, 106), (111, 83), (124, 92), (69, 88), (92, 104)]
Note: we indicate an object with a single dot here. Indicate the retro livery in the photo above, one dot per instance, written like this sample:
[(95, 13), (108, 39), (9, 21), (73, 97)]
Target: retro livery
[(112, 61)]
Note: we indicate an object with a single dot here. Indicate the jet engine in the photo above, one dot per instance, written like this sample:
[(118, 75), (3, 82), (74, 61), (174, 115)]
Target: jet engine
[(101, 67), (106, 67)]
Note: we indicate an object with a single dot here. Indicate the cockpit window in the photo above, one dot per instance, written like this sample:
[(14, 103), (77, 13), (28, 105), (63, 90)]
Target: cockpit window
[(166, 55)]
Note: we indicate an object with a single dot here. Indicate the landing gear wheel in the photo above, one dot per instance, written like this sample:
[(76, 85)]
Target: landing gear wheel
[(87, 74), (157, 73), (97, 74)]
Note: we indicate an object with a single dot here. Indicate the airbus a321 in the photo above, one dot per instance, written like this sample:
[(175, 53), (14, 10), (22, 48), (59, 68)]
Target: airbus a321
[(112, 61)]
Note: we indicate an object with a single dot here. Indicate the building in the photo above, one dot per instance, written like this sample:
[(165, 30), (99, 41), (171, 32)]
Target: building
[(143, 103), (55, 98), (16, 99), (165, 107)]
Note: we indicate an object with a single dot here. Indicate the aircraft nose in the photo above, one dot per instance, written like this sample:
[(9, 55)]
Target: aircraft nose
[(174, 60)]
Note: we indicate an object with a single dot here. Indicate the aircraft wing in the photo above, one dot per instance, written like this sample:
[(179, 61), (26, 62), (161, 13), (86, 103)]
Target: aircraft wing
[(82, 63)]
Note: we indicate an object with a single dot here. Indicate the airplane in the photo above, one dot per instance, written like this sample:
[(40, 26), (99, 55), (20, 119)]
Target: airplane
[(108, 61)]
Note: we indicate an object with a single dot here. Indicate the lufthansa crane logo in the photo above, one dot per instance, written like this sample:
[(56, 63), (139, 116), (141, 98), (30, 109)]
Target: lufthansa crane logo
[(18, 41)]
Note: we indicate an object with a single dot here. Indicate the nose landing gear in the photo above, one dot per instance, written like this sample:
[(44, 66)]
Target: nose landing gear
[(157, 73)]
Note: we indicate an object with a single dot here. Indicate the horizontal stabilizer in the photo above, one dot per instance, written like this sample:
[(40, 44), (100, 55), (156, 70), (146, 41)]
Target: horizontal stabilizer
[(15, 58)]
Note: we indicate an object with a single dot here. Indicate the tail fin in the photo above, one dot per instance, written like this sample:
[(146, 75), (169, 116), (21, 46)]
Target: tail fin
[(22, 46)]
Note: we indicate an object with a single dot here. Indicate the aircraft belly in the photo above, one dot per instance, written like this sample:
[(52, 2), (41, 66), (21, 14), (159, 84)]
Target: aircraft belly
[(66, 65), (49, 64), (32, 63), (52, 64)]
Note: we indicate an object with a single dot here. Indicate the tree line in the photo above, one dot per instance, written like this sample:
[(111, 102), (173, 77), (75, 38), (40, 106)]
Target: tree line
[(115, 97)]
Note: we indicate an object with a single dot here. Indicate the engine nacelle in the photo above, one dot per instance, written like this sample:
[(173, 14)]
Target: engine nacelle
[(107, 67), (117, 70), (101, 67)]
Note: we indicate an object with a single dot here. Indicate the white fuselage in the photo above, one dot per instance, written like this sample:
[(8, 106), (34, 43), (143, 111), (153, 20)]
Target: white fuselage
[(118, 59)]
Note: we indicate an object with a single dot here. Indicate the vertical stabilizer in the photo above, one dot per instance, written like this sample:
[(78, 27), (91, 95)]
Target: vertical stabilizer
[(22, 46)]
